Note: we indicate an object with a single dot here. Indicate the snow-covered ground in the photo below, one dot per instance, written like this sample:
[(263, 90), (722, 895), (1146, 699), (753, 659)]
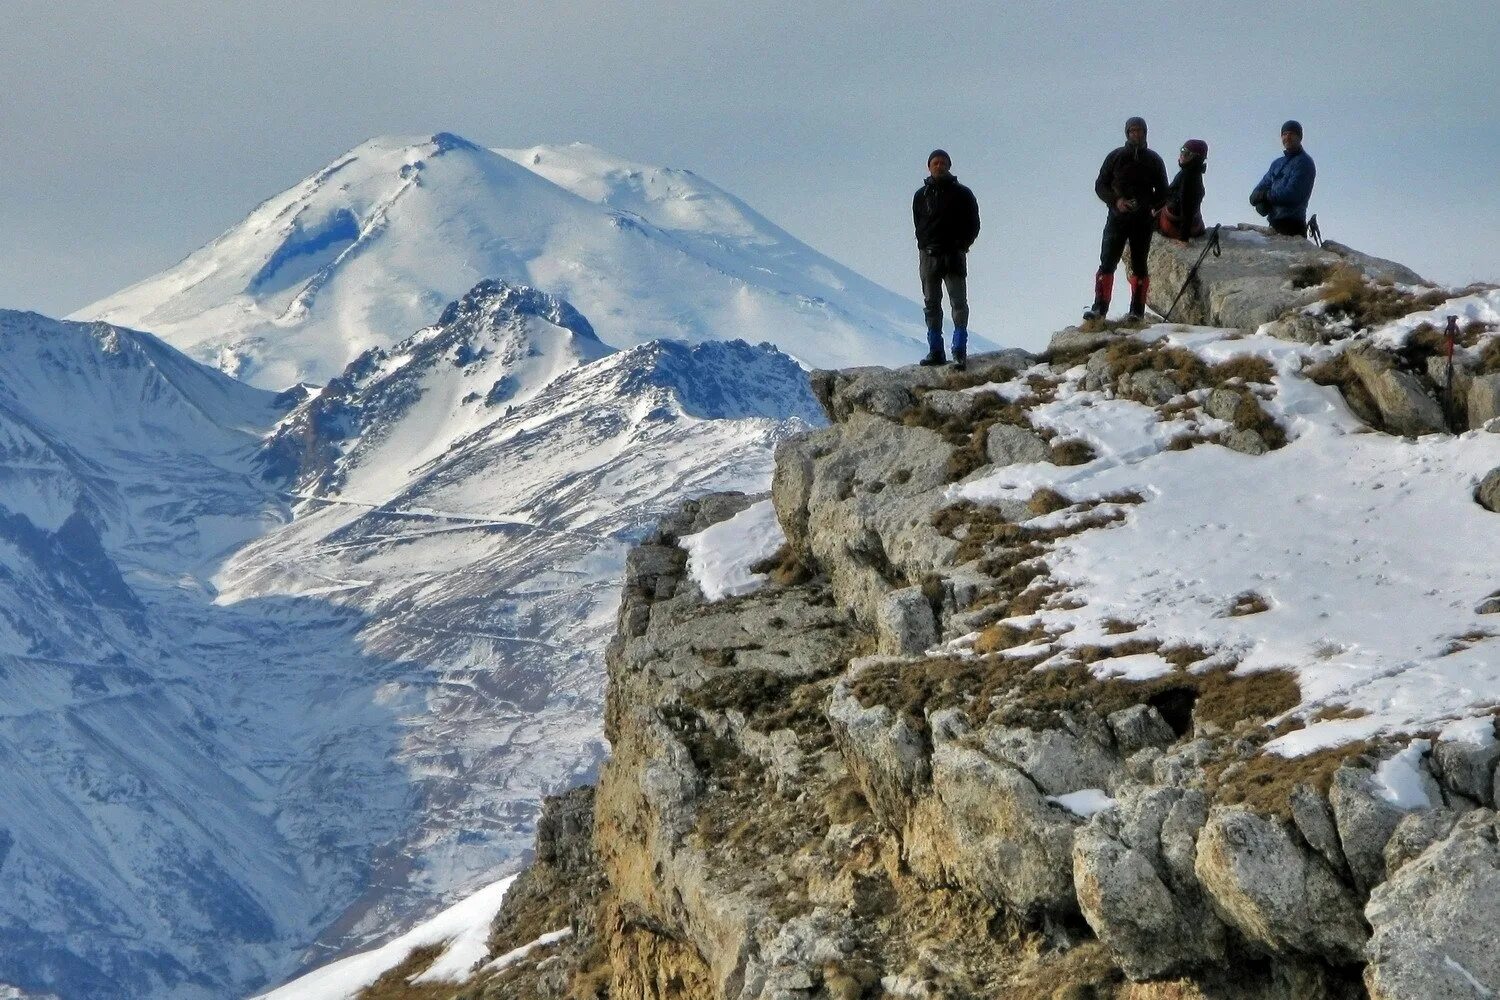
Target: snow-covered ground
[(721, 557), (1369, 549), (374, 245), (461, 930)]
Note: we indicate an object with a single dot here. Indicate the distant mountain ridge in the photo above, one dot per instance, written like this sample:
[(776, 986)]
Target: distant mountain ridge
[(374, 245)]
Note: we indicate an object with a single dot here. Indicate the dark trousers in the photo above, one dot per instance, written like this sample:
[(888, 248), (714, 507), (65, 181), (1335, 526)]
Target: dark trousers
[(1290, 227), (939, 269), (1134, 229)]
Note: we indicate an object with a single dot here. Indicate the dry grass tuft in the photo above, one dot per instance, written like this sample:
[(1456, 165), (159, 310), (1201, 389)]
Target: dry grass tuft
[(1074, 451), (785, 567), (1047, 501), (1246, 367), (1265, 782), (394, 984), (1349, 296), (1248, 603)]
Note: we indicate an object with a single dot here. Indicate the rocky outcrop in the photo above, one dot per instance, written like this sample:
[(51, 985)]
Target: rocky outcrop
[(853, 784), (1434, 932), (1405, 408), (1255, 280)]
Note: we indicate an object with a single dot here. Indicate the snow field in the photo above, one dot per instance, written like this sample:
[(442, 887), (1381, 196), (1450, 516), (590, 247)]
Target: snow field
[(720, 557), (1369, 549)]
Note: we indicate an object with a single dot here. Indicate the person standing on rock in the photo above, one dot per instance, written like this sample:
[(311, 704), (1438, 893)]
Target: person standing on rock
[(1181, 218), (946, 216), (1132, 184), (1282, 195)]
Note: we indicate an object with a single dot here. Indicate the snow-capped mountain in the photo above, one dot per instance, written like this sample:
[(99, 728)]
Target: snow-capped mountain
[(281, 672), (374, 245)]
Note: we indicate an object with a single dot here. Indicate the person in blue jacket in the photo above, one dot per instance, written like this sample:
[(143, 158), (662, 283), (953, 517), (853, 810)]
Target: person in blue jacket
[(1282, 195)]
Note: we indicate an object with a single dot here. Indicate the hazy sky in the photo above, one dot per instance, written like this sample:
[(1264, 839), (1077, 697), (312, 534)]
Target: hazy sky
[(136, 132)]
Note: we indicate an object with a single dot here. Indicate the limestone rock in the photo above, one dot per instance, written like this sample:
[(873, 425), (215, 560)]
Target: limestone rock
[(1246, 442), (1147, 386), (1468, 768), (1279, 895), (1297, 327), (1250, 284), (1077, 341), (1151, 923), (905, 624), (1007, 444), (885, 754), (1488, 493), (1365, 821), (1058, 761), (1222, 403), (1483, 400), (1434, 921), (1416, 832), (1138, 727), (1405, 408), (949, 402), (987, 827), (1314, 819)]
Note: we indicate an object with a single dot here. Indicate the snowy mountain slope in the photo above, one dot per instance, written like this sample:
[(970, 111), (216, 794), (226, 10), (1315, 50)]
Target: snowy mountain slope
[(159, 795), (372, 246), (276, 680), (494, 556)]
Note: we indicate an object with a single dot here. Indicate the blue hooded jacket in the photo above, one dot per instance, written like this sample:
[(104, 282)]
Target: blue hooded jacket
[(1289, 185)]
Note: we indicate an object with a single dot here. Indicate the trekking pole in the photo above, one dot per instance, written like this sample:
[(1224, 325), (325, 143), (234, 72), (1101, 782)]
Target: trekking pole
[(1213, 244), (1449, 337)]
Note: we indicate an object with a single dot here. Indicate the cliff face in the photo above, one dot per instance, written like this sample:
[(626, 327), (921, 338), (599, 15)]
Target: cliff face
[(933, 757)]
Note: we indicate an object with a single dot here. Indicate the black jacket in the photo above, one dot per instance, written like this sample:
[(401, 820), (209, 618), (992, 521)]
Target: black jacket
[(1132, 172), (946, 215), (1185, 195)]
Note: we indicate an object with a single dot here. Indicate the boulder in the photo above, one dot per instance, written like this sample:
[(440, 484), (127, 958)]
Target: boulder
[(1468, 766), (1151, 926), (1416, 832), (988, 829), (1138, 727), (1405, 408), (1488, 493), (1365, 821), (1057, 760), (885, 753), (1483, 400), (1434, 921), (1007, 444), (1073, 340), (1246, 442), (1147, 386), (1223, 403), (1250, 283), (1278, 894), (1314, 819), (1299, 328), (949, 402), (904, 625)]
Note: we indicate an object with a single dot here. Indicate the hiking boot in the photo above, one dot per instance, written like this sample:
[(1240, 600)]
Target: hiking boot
[(1139, 287), (960, 361), (1096, 311), (933, 359)]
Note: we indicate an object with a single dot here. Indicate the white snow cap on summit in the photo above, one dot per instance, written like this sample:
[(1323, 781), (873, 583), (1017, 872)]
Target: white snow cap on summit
[(374, 245)]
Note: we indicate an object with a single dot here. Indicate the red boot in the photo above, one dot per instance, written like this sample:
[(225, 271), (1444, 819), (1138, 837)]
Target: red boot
[(1139, 287), (1104, 288)]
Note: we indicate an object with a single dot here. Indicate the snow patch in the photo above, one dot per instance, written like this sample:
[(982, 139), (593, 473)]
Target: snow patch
[(1084, 802), (720, 557), (510, 958), (1399, 779), (463, 928)]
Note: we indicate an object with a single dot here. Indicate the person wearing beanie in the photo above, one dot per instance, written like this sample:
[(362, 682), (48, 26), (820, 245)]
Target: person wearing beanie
[(1181, 218), (1132, 183), (946, 217), (1283, 193)]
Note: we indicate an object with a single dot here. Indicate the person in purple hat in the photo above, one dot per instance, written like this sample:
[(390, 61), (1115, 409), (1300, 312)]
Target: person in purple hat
[(1181, 218)]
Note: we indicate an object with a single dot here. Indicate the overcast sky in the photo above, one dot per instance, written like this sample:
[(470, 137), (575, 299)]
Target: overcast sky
[(136, 132)]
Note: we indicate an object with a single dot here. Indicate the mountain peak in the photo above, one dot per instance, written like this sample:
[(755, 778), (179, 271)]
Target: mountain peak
[(496, 301), (447, 141)]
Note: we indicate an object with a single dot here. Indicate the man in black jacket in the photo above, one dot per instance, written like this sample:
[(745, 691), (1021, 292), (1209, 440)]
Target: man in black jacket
[(946, 216), (1133, 183)]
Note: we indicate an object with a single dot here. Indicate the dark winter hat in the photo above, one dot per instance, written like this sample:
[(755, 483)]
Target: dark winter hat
[(1293, 126), (1197, 147), (1131, 123), (939, 152)]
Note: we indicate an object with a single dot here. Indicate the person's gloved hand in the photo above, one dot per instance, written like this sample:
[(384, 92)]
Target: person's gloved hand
[(1124, 206)]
